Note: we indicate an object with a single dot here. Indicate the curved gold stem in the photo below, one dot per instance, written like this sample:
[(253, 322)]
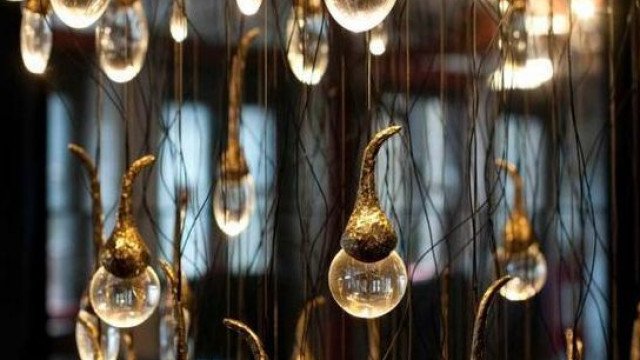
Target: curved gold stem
[(574, 345), (635, 337), (127, 339), (94, 335), (125, 212), (373, 333), (254, 342), (478, 341), (367, 188), (97, 215), (38, 6), (515, 176), (173, 279), (302, 350)]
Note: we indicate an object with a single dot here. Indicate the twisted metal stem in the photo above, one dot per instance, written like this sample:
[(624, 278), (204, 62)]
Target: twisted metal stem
[(173, 279), (518, 183), (478, 342), (94, 336), (254, 342), (125, 211), (302, 350), (367, 188)]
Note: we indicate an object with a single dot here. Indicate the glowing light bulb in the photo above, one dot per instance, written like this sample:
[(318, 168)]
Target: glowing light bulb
[(168, 335), (529, 269), (378, 40), (367, 290), (233, 202), (249, 7), (308, 47), (35, 40), (357, 15), (583, 9), (79, 14), (122, 40), (123, 302), (533, 74), (178, 24), (109, 338)]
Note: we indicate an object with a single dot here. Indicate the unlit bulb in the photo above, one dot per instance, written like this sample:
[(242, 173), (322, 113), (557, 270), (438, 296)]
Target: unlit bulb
[(109, 338), (367, 290), (124, 303), (233, 202), (249, 7), (358, 15), (35, 41), (79, 14), (178, 23), (529, 270), (308, 47), (378, 40), (122, 38)]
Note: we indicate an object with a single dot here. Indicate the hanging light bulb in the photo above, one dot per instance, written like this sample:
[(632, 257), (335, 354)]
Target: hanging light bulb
[(234, 193), (367, 278), (35, 35), (79, 14), (307, 41), (109, 336), (378, 40), (125, 290), (178, 23), (520, 255), (357, 15), (122, 39), (249, 7)]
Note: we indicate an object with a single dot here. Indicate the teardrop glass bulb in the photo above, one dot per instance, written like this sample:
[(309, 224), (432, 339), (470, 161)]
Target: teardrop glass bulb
[(178, 23), (308, 47), (35, 41), (233, 202), (378, 40), (529, 269), (79, 14), (367, 290), (124, 303), (109, 339), (358, 15), (249, 7), (122, 40)]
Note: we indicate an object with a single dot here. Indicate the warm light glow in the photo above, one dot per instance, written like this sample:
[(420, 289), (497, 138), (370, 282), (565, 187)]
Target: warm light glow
[(530, 76), (357, 15), (503, 5), (79, 14), (109, 338), (529, 269), (124, 303), (35, 41), (178, 24), (122, 37), (233, 203), (367, 290), (583, 9), (308, 47), (249, 7), (378, 40), (538, 25)]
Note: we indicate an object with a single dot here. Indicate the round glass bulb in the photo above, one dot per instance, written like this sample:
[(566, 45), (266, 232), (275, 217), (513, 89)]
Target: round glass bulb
[(233, 203), (378, 40), (178, 23), (124, 303), (122, 40), (308, 47), (367, 290), (168, 335), (109, 339), (358, 15), (249, 7), (529, 269), (79, 14), (35, 41)]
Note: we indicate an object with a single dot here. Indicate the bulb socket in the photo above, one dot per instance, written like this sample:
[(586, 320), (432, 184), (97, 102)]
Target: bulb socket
[(38, 6), (233, 165), (518, 233), (125, 254)]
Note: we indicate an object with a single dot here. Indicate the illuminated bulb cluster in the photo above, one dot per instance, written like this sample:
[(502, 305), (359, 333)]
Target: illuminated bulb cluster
[(109, 338), (79, 14), (122, 40), (378, 40), (358, 15), (178, 24), (36, 37), (308, 44), (249, 7)]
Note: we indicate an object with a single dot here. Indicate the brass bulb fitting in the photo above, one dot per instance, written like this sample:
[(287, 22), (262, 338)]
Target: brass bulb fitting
[(518, 232), (250, 337), (479, 339), (307, 7), (38, 6), (369, 235), (125, 2)]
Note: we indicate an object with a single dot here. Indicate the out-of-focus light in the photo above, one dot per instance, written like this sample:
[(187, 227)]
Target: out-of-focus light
[(503, 5), (583, 9), (379, 39), (531, 75), (538, 25)]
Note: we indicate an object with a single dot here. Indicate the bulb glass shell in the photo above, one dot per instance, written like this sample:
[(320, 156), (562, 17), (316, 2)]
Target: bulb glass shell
[(308, 47), (249, 7), (529, 269), (109, 339), (79, 14), (124, 303), (122, 41), (358, 15), (178, 23), (367, 290), (36, 39), (233, 203)]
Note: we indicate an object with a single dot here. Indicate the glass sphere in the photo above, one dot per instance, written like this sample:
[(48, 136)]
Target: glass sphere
[(367, 290), (178, 23), (529, 269), (233, 203), (122, 39), (308, 47), (109, 339), (35, 41), (358, 15), (124, 303), (249, 7), (168, 336), (79, 14)]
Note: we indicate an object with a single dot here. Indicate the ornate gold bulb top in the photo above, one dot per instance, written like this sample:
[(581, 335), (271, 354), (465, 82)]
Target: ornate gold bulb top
[(125, 254), (234, 164), (369, 235), (38, 6), (518, 232)]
